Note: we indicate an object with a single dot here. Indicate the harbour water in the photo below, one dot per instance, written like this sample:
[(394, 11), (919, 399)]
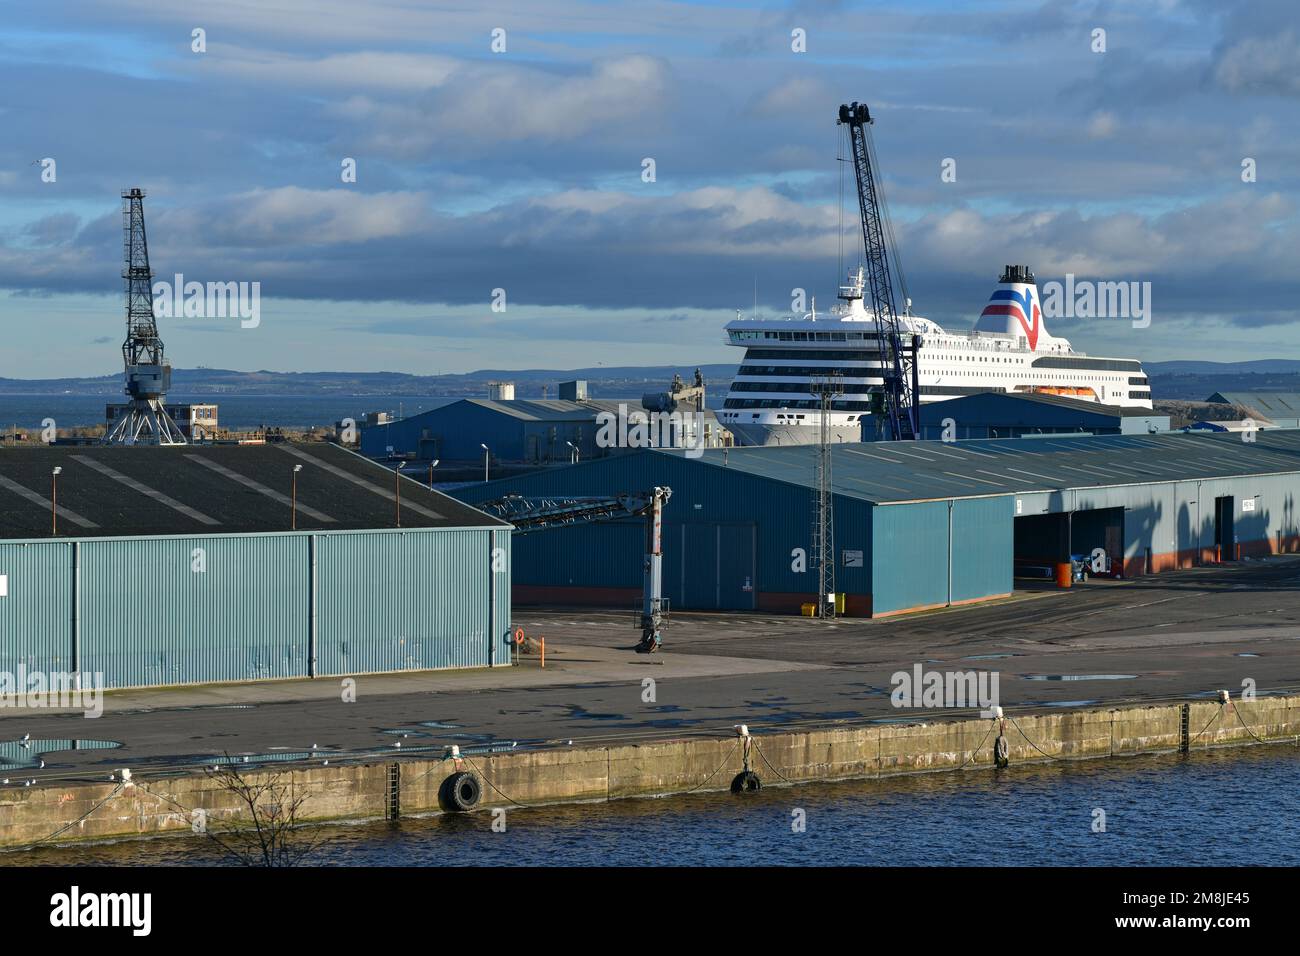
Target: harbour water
[(1223, 807), (235, 411)]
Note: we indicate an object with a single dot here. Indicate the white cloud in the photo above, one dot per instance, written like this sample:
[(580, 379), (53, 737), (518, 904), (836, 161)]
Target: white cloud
[(361, 69), (1264, 64), (506, 103), (1102, 125)]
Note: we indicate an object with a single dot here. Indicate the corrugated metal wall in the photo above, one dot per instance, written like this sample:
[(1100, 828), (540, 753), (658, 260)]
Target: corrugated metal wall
[(915, 551), (983, 533), (179, 610), (194, 610), (36, 616), (771, 518), (389, 601), (909, 556), (1177, 517)]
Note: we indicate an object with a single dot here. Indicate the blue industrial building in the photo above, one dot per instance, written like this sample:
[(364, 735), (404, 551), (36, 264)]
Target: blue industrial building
[(916, 525), (198, 564), (737, 535), (516, 431), (999, 415)]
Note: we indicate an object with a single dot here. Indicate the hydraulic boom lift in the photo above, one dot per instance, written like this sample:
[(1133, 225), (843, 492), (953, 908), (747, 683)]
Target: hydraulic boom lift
[(539, 514)]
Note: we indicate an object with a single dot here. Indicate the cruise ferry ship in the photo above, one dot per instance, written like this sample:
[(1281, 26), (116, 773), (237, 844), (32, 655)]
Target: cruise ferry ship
[(1009, 350)]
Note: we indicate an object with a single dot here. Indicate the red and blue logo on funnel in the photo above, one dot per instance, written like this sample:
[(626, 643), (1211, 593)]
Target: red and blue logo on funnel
[(1021, 306)]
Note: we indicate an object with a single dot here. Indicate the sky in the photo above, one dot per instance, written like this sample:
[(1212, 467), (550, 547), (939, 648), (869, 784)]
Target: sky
[(504, 146)]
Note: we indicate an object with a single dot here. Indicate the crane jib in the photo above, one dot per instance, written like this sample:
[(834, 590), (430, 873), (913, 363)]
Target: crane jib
[(898, 392)]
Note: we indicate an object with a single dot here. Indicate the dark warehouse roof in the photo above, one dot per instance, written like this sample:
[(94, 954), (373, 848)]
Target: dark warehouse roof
[(1001, 403), (211, 489), (884, 472), (1276, 404)]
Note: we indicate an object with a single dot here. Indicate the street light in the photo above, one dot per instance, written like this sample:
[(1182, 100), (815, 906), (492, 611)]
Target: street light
[(294, 521), (486, 454), (573, 455), (54, 499), (432, 465), (397, 483)]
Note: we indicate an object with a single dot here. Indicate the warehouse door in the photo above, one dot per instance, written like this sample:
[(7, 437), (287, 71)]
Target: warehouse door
[(1224, 533), (1041, 541), (736, 571), (713, 567), (1099, 528)]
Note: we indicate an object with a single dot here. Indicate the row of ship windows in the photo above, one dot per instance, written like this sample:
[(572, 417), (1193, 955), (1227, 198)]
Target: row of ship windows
[(797, 387), (751, 336), (741, 386), (769, 403), (855, 406), (1076, 363), (793, 371)]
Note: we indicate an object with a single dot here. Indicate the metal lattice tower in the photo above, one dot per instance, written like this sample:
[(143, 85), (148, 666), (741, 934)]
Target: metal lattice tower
[(144, 421), (826, 387)]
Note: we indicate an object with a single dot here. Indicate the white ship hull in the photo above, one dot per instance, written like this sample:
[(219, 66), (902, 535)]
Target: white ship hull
[(1009, 351)]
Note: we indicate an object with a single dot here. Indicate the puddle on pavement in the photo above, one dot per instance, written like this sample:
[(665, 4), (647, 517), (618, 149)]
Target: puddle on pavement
[(23, 754), (1079, 677)]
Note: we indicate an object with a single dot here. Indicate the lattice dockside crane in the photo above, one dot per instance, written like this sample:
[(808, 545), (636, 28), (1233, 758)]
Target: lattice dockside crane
[(144, 420), (897, 356), (539, 514)]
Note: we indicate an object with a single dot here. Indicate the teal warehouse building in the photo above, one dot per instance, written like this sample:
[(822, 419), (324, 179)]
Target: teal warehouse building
[(917, 525), (199, 564)]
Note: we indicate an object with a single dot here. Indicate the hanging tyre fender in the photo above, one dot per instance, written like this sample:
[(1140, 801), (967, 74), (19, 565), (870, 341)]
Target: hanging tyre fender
[(461, 791), (1001, 751)]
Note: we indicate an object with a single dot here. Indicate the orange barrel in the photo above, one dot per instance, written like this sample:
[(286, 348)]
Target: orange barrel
[(1064, 574)]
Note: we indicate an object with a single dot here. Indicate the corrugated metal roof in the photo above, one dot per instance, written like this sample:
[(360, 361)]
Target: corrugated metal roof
[(551, 410), (211, 489), (884, 472), (1281, 404), (1024, 404), (555, 410)]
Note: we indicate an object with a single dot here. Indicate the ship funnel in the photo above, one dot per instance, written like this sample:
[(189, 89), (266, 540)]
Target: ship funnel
[(1014, 309)]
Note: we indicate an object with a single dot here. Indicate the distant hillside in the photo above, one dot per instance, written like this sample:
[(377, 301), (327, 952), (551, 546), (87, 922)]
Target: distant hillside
[(1196, 381), (1179, 380), (1273, 366), (624, 381)]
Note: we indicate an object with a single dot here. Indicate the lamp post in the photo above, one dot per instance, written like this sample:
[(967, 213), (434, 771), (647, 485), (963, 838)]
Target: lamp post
[(432, 465), (573, 454), (486, 455), (293, 523), (397, 483), (54, 500)]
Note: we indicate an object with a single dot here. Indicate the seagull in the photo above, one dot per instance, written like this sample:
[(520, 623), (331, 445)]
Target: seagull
[(6, 781), (398, 744), (27, 736), (313, 746), (42, 764)]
